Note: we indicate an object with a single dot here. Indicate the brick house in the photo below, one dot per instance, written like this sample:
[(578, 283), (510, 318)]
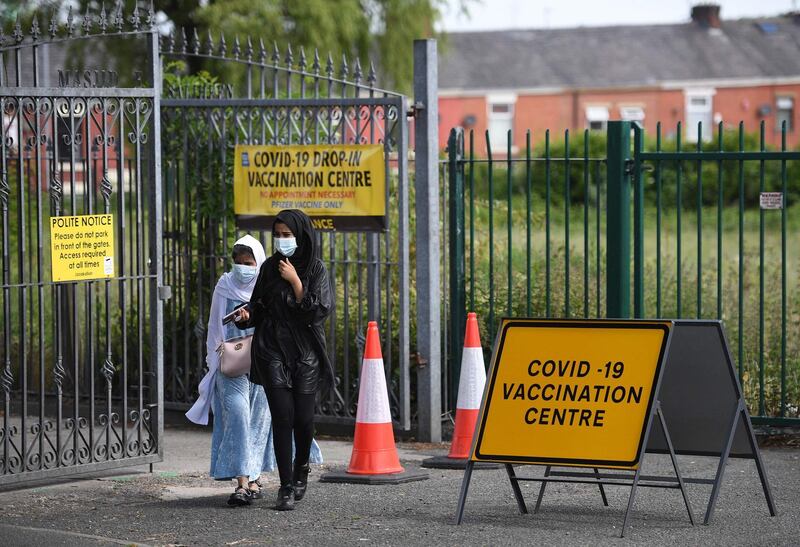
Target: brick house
[(706, 70)]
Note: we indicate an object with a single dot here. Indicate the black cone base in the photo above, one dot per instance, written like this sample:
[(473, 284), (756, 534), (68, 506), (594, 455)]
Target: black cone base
[(341, 475), (443, 462)]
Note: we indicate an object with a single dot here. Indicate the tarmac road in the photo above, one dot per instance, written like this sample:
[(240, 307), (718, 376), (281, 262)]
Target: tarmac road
[(179, 505)]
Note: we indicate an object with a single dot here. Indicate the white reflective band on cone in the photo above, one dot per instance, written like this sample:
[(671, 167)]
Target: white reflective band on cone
[(373, 398), (472, 380)]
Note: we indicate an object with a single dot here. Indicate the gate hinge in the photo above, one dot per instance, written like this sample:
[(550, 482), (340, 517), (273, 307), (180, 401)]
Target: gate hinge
[(629, 167), (412, 111), (644, 167), (164, 292)]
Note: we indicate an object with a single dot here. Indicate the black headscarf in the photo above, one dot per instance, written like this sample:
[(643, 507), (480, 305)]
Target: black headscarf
[(300, 225), (302, 259)]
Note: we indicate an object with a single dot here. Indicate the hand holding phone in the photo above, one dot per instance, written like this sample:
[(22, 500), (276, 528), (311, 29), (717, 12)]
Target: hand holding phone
[(242, 313)]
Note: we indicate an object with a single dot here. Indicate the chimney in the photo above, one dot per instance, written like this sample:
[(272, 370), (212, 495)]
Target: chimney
[(706, 15)]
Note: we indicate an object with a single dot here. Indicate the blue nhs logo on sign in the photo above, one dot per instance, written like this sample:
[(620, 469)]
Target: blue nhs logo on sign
[(245, 160)]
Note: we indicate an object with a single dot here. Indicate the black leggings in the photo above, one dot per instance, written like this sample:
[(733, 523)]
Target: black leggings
[(291, 411)]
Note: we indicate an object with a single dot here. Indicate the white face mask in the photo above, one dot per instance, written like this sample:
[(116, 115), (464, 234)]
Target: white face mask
[(286, 245), (244, 274)]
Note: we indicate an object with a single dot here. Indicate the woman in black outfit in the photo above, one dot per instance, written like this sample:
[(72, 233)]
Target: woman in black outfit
[(291, 300)]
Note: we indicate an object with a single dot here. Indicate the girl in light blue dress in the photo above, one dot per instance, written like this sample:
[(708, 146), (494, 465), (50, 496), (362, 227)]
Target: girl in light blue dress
[(241, 441)]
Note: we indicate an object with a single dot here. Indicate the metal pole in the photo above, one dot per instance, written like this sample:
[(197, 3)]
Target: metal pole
[(426, 138), (404, 271), (618, 234), (157, 294)]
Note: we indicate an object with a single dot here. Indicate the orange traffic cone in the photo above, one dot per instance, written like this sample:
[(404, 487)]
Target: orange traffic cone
[(374, 459), (470, 392), (374, 452)]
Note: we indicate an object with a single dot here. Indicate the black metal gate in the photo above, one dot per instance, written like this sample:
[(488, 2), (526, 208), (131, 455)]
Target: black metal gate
[(81, 360), (269, 97)]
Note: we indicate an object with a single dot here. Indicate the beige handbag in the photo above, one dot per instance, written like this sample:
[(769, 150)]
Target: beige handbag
[(234, 356)]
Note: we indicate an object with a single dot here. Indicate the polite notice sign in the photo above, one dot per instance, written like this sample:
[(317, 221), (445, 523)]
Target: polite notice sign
[(570, 392), (341, 187), (82, 247)]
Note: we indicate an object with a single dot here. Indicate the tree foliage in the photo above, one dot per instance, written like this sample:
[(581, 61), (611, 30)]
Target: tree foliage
[(382, 29)]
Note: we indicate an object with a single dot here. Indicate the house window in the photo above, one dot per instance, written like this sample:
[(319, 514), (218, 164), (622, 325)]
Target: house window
[(784, 112), (699, 106), (597, 118), (501, 120), (631, 113)]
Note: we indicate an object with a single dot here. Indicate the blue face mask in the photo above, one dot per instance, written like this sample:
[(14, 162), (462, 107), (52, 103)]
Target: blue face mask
[(244, 274), (286, 245)]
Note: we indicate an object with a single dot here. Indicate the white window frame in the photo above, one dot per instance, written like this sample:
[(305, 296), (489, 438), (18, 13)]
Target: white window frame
[(631, 113), (784, 103), (499, 123), (699, 112), (597, 114)]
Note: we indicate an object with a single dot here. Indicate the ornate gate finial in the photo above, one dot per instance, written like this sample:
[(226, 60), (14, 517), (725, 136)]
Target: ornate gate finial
[(223, 47), (35, 30), (315, 65), (276, 55), (372, 77), (17, 33), (249, 51), (236, 49), (70, 23), (209, 43), (151, 16), (302, 64), (53, 28), (134, 19), (87, 20)]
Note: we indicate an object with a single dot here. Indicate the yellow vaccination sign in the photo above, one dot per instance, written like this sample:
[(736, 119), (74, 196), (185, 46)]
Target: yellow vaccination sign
[(82, 247), (570, 392), (341, 187)]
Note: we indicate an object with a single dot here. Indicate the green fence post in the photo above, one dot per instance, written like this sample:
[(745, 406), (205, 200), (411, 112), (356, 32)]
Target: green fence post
[(457, 266), (638, 222), (618, 224)]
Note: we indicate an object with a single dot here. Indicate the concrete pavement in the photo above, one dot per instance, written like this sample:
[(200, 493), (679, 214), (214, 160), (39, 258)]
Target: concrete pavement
[(179, 505)]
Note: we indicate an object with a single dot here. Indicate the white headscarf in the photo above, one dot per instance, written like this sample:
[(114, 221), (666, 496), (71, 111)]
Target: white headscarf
[(228, 287)]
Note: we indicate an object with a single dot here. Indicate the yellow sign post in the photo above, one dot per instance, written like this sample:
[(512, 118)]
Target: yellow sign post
[(341, 187), (82, 247), (572, 393)]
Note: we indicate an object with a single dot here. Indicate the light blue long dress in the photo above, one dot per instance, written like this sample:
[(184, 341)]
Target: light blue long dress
[(241, 442)]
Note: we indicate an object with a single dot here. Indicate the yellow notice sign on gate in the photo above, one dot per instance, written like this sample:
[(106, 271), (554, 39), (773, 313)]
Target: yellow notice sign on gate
[(341, 187), (82, 247), (570, 392)]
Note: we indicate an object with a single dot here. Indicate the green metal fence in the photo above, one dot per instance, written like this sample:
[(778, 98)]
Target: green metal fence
[(617, 225), (525, 234)]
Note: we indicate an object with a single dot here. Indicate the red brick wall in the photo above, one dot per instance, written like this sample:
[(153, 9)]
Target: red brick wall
[(567, 111), (452, 113)]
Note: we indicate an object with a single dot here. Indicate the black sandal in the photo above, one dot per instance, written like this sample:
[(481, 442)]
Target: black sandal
[(241, 496), (255, 494)]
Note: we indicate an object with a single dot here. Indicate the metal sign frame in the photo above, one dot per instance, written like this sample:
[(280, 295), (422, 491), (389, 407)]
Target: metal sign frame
[(733, 422), (594, 476), (737, 422)]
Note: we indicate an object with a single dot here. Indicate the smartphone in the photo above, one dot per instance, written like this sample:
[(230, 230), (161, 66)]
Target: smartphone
[(234, 314)]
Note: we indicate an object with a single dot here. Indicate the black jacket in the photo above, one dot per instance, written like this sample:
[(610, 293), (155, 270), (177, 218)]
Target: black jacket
[(289, 348)]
